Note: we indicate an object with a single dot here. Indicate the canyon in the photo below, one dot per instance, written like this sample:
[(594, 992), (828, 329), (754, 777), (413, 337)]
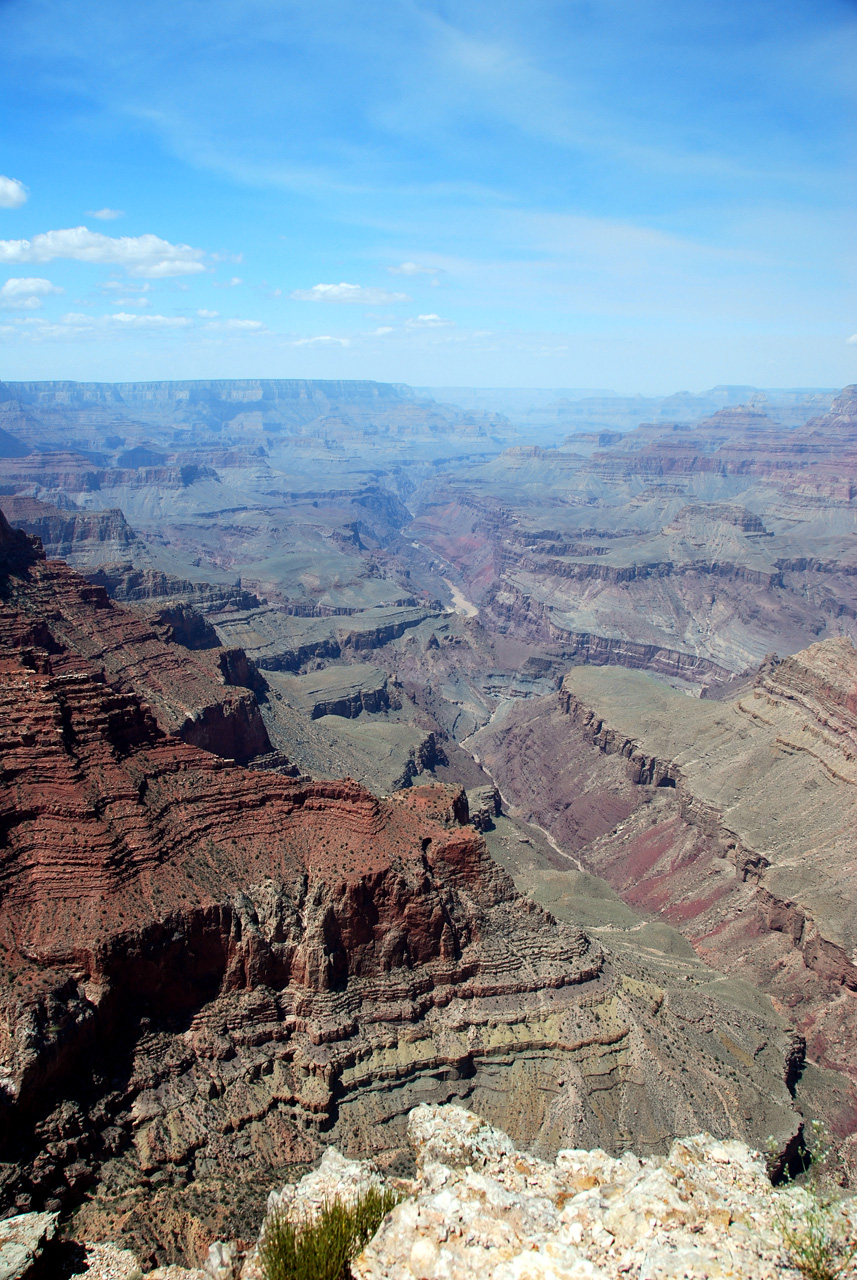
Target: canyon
[(363, 750)]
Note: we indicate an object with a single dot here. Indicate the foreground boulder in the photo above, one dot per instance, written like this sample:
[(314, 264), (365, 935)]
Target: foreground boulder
[(479, 1209), (23, 1240)]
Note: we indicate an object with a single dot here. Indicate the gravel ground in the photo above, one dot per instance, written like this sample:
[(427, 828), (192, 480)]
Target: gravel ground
[(108, 1262)]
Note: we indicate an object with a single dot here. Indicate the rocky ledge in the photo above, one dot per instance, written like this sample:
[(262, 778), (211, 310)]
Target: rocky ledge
[(479, 1209)]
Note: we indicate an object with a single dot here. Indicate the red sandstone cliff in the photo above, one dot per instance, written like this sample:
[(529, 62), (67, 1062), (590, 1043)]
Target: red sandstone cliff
[(190, 697)]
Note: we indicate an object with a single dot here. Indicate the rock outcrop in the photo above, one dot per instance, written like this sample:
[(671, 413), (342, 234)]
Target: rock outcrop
[(80, 537), (479, 1207), (23, 1240), (47, 605), (277, 640)]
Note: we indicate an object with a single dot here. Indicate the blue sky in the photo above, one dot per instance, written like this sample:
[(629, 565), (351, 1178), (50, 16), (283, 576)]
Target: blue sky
[(615, 193)]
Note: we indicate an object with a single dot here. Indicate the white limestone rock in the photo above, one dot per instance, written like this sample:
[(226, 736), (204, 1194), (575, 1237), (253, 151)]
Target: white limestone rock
[(22, 1242), (482, 1210), (335, 1178), (485, 1211)]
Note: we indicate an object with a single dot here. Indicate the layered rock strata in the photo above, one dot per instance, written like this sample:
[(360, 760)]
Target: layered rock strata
[(731, 821), (690, 550), (206, 969), (48, 606), (81, 537)]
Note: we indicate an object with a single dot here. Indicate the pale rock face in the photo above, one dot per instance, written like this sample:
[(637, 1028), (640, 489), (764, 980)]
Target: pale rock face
[(22, 1242), (335, 1178), (481, 1210)]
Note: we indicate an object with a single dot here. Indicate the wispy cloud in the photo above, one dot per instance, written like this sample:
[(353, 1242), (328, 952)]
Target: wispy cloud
[(348, 293), (412, 269), (430, 321), (145, 255), (26, 293), (12, 193), (123, 284), (106, 215), (235, 325), (322, 337), (149, 322), (128, 320), (852, 341)]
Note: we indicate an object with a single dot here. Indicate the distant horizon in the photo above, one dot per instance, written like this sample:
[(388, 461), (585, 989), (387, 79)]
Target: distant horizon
[(578, 393)]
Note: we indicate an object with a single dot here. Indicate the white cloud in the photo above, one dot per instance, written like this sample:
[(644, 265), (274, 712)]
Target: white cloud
[(852, 341), (347, 293), (145, 255), (412, 269), (75, 324), (322, 337), (228, 284), (12, 193), (25, 293), (106, 215), (148, 322), (430, 321), (379, 333), (246, 326), (207, 315)]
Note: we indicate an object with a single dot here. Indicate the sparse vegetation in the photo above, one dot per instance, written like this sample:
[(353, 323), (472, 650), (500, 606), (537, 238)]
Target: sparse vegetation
[(322, 1248), (811, 1228), (814, 1238)]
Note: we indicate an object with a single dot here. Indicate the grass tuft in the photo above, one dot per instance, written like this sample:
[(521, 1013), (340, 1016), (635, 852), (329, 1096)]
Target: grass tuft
[(322, 1248), (814, 1240), (813, 1233)]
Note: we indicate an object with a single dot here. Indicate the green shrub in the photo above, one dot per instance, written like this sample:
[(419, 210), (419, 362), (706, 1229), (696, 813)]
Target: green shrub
[(321, 1248)]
